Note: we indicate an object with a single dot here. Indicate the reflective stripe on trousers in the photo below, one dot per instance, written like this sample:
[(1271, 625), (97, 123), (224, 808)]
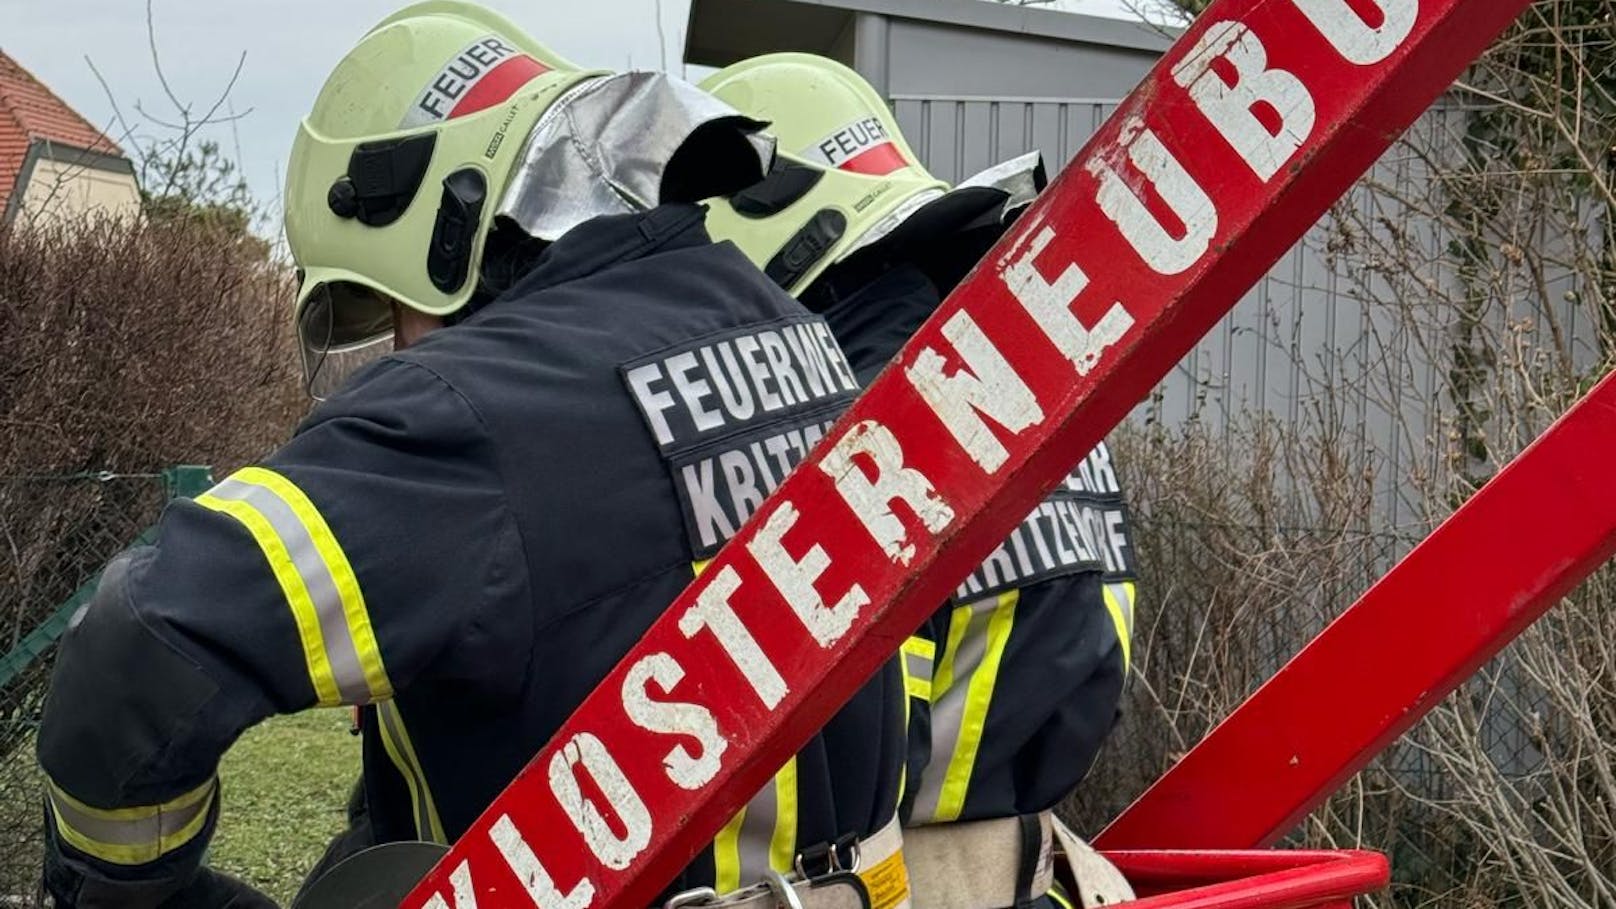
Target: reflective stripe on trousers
[(321, 590), (396, 741), (131, 836), (761, 836), (919, 656), (962, 691)]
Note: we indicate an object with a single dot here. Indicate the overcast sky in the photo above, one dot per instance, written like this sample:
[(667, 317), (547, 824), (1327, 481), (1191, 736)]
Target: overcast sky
[(290, 46)]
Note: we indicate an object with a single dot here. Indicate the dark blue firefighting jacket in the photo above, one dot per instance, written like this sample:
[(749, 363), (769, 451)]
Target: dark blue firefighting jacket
[(465, 539), (1016, 680)]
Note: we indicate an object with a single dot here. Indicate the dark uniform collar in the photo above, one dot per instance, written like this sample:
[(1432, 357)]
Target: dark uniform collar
[(605, 241)]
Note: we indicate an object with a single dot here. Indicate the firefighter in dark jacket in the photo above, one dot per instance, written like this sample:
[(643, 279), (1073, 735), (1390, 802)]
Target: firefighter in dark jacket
[(469, 531), (1017, 679)]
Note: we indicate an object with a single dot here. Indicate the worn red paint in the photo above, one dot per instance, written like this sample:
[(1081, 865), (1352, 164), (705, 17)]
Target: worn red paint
[(1086, 307), (1445, 609)]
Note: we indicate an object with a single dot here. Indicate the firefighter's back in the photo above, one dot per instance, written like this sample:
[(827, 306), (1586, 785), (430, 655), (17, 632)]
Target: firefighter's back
[(634, 364)]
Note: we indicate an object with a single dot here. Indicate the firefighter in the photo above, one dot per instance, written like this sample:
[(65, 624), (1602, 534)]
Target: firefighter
[(1021, 672), (470, 530)]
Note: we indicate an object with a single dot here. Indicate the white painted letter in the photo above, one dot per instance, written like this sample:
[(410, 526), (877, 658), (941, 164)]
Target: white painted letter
[(673, 718), (464, 896), (712, 611), (1231, 106), (1050, 305), (589, 752), (1355, 39), (540, 887), (1122, 204), (794, 578), (987, 385), (872, 500)]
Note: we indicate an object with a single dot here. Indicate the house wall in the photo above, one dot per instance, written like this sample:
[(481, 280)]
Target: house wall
[(63, 190)]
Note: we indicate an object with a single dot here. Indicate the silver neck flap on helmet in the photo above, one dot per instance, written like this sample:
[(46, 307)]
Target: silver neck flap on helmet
[(603, 148)]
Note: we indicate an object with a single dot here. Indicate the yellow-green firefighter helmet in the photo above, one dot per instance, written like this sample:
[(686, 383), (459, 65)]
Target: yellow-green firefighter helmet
[(396, 172), (844, 176), (845, 181)]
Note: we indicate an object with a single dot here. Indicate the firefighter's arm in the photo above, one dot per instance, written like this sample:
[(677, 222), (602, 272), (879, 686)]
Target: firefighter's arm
[(368, 553)]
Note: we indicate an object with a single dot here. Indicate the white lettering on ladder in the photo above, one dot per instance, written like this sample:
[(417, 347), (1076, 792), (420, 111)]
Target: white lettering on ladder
[(519, 857), (1356, 40), (1125, 206), (712, 611), (871, 497), (674, 718), (795, 578), (1232, 106), (987, 384), (1050, 304), (586, 751), (460, 880)]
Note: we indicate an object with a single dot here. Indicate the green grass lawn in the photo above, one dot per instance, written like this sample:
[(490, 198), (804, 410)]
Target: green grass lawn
[(285, 795), (285, 790)]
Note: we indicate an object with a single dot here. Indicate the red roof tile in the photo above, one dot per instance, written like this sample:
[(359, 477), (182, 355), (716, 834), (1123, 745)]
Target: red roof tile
[(30, 111)]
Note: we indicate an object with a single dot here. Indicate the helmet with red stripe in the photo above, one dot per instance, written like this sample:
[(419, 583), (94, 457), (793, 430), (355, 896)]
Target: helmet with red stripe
[(845, 180), (446, 116), (395, 172)]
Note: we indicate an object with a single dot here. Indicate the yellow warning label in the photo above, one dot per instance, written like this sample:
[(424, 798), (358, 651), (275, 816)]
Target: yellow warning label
[(887, 881)]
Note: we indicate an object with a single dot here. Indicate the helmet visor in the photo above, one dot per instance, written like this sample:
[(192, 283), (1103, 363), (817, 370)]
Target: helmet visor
[(342, 327)]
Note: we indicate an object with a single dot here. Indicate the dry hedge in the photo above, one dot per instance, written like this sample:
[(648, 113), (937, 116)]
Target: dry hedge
[(1505, 796), (125, 347)]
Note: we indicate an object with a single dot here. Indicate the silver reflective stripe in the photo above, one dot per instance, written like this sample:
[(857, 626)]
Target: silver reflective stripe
[(140, 834), (948, 709), (757, 832), (402, 752), (917, 665), (316, 576), (1121, 591)]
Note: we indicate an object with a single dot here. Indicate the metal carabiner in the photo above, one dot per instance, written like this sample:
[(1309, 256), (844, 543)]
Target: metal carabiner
[(699, 896), (784, 894)]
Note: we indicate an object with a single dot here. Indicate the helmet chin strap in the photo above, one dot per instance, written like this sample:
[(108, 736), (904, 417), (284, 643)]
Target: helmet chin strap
[(605, 146)]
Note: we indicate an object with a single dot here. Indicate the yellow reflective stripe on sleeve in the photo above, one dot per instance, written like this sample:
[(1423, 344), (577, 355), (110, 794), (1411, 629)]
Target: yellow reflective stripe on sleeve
[(131, 836), (979, 696), (1119, 618), (396, 741), (697, 568), (727, 855), (342, 575), (783, 845), (1058, 894), (292, 587), (321, 590)]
